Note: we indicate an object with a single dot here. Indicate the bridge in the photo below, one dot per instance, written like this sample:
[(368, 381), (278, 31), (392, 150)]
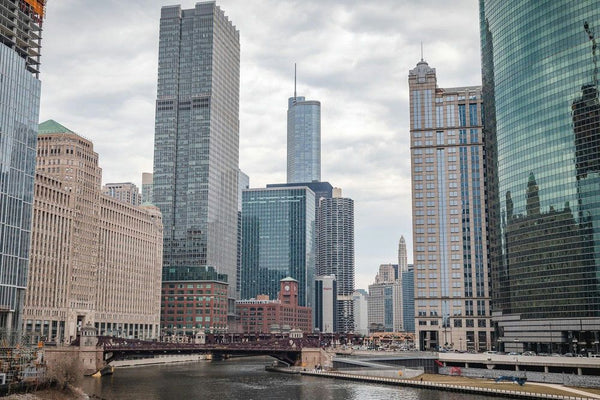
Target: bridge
[(94, 353), (286, 350)]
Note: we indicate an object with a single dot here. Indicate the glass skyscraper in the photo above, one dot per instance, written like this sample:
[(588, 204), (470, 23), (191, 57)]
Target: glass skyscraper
[(542, 130), (196, 147), (278, 226), (19, 116), (303, 140)]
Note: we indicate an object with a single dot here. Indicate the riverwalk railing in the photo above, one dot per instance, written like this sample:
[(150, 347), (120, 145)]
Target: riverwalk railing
[(515, 394)]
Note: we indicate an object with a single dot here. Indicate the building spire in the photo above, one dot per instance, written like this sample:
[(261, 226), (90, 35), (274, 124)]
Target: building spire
[(294, 81), (421, 51)]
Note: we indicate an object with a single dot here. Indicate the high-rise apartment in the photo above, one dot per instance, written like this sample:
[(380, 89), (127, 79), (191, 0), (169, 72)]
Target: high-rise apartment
[(94, 259), (126, 191), (449, 221), (20, 37), (278, 226), (542, 112), (335, 252), (196, 147), (303, 140)]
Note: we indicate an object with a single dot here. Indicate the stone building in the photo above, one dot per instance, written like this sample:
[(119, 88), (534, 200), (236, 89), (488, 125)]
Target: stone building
[(94, 259)]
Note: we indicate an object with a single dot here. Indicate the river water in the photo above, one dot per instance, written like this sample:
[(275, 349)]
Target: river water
[(243, 378)]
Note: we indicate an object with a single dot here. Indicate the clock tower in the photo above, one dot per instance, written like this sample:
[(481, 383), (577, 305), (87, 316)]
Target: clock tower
[(288, 291)]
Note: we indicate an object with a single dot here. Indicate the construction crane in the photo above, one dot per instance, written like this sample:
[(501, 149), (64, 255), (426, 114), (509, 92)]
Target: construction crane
[(590, 33)]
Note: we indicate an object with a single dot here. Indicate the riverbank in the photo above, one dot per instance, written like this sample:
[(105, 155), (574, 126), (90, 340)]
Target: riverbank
[(461, 384)]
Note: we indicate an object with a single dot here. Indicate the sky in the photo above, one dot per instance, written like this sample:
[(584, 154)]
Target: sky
[(99, 75)]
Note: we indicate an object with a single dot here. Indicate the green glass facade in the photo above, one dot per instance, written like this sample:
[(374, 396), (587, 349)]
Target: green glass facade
[(278, 227), (542, 132)]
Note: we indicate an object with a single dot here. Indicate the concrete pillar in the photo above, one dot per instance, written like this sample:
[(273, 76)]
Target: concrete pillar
[(546, 369), (517, 367), (579, 371)]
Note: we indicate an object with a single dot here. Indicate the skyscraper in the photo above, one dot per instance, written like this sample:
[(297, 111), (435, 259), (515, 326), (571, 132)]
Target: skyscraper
[(278, 226), (335, 252), (402, 256), (542, 133), (196, 147), (303, 140), (449, 224), (325, 310), (408, 299), (20, 37)]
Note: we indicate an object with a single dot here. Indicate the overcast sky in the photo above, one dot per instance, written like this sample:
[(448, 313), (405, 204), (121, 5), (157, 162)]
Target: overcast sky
[(99, 71)]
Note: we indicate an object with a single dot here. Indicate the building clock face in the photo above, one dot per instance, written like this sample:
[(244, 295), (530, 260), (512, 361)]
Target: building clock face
[(287, 288)]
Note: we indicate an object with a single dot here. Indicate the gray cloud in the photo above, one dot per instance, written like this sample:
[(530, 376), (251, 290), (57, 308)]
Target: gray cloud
[(99, 79)]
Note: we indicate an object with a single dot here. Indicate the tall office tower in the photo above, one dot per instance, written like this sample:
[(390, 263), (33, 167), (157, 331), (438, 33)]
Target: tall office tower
[(408, 299), (449, 224), (385, 307), (326, 304), (243, 183), (543, 172), (196, 148), (20, 37), (361, 312), (303, 139), (278, 226), (335, 253), (147, 188), (94, 259), (126, 192), (402, 256)]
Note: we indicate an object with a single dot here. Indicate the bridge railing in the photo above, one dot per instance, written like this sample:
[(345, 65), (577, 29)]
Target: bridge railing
[(120, 344)]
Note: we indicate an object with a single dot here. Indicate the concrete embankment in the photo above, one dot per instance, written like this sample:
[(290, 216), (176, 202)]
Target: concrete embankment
[(513, 394), (158, 360)]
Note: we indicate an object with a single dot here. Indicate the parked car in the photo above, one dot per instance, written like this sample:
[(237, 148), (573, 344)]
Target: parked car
[(529, 353)]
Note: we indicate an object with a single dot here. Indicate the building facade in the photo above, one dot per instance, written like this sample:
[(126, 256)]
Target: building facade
[(361, 312), (126, 192), (194, 300), (20, 42), (543, 173), (278, 228), (385, 307), (335, 253), (196, 149), (408, 299), (147, 188), (261, 315), (449, 222), (303, 140), (94, 259), (326, 303)]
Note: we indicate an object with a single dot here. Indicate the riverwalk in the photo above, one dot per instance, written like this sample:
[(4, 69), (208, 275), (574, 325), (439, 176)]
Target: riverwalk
[(528, 391)]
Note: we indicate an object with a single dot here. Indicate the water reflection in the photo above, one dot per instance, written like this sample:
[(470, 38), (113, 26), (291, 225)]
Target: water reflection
[(242, 379)]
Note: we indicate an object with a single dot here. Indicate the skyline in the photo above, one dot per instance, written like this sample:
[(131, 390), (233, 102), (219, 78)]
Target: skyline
[(367, 51)]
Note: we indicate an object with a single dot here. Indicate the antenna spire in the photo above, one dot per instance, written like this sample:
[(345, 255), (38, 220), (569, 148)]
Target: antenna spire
[(421, 51), (294, 81)]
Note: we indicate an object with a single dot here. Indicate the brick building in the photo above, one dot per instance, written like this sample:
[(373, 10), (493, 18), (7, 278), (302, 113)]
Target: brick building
[(262, 315)]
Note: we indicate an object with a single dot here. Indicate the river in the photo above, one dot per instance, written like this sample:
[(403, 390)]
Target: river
[(243, 378)]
